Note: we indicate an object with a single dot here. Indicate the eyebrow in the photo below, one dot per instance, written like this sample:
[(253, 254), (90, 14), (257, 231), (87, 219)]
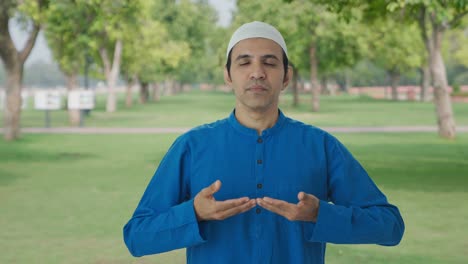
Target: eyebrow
[(247, 56)]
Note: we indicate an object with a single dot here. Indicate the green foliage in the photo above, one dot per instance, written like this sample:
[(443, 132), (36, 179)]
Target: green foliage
[(455, 44), (194, 24), (149, 51), (394, 46), (76, 30), (35, 10), (303, 24), (67, 33)]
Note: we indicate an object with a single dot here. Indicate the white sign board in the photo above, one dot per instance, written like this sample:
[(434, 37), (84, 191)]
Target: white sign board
[(24, 100), (80, 100), (47, 100)]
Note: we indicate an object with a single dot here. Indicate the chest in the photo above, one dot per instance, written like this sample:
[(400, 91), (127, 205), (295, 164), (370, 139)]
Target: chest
[(275, 169)]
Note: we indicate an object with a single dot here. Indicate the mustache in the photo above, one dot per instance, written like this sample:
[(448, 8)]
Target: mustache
[(257, 83)]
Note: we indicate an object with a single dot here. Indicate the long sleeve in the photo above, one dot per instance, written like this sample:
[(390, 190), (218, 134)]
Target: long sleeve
[(357, 211), (165, 218)]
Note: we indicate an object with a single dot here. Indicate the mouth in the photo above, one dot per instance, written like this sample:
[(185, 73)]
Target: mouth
[(257, 88)]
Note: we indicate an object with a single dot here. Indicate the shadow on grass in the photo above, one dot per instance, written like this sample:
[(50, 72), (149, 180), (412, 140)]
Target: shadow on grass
[(7, 177), (41, 156), (364, 254), (417, 166), (10, 159)]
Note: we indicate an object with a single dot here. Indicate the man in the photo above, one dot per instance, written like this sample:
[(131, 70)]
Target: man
[(258, 187)]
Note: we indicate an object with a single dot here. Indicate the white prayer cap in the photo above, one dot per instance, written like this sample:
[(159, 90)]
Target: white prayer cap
[(256, 29)]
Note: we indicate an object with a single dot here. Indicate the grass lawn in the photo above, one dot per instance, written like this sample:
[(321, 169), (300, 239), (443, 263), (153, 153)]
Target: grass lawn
[(65, 198), (204, 107)]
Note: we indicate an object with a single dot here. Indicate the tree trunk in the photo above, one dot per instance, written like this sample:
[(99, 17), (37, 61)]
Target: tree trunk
[(13, 62), (12, 111), (324, 85), (168, 87), (394, 81), (144, 92), (178, 87), (425, 82), (426, 68), (112, 72), (314, 79), (443, 103), (347, 76), (73, 114), (131, 81), (156, 92)]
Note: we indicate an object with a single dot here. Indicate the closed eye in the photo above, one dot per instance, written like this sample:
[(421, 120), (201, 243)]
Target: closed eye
[(269, 64), (270, 60)]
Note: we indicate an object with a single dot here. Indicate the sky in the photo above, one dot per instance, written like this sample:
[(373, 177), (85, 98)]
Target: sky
[(41, 51)]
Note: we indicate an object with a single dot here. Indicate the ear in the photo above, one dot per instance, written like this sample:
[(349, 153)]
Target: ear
[(227, 79), (287, 77)]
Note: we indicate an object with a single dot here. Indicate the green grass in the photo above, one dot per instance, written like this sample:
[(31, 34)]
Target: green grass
[(194, 108), (65, 198)]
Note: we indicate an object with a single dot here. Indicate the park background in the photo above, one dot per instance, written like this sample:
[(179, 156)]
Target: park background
[(67, 190)]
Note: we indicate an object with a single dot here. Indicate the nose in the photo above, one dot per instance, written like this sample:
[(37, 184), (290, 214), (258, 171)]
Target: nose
[(258, 72)]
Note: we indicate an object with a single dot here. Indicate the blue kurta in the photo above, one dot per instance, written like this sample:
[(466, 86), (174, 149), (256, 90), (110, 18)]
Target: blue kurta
[(288, 158)]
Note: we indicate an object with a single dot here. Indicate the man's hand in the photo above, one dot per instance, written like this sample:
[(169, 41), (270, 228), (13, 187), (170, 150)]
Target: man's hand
[(305, 210), (207, 208)]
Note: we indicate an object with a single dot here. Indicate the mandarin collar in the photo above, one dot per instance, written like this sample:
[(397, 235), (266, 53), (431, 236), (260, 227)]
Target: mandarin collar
[(252, 132)]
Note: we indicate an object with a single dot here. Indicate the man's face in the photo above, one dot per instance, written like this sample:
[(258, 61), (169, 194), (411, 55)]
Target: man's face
[(257, 74)]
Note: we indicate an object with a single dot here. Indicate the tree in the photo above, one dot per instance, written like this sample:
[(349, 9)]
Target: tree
[(81, 29), (441, 17), (112, 20), (66, 32), (192, 22), (150, 52), (394, 47), (434, 18), (30, 12)]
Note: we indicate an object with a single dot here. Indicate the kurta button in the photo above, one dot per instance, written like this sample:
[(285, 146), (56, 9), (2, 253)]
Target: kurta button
[(259, 186), (258, 210), (259, 140), (259, 161)]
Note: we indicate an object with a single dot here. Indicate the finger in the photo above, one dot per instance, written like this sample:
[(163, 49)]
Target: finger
[(238, 209), (228, 204), (271, 208), (212, 189), (277, 206), (277, 203)]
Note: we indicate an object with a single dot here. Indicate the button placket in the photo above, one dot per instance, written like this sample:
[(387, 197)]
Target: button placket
[(259, 162), (259, 174)]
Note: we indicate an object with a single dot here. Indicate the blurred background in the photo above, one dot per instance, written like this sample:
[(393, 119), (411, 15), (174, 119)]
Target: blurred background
[(93, 93)]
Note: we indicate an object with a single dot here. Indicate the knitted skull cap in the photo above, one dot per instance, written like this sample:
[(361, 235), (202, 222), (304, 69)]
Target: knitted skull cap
[(256, 29)]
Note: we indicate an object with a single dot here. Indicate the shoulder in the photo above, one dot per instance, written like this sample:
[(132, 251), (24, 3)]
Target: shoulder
[(296, 126), (204, 132)]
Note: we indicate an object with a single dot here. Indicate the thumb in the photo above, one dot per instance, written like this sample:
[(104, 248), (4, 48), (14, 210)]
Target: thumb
[(302, 196), (213, 188), (307, 198)]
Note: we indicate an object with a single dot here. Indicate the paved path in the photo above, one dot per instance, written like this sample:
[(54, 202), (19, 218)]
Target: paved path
[(165, 130)]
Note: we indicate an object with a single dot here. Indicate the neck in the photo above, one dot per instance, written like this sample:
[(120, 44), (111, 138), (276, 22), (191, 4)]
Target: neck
[(258, 120)]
